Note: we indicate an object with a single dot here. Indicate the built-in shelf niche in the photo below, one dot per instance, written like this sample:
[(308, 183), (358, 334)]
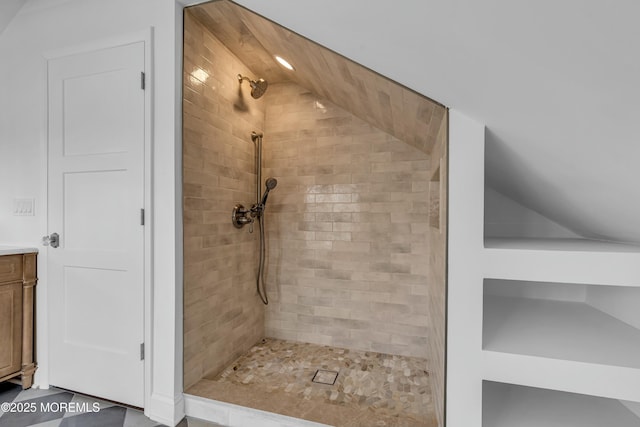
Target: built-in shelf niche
[(584, 323), (506, 217), (434, 199), (508, 405)]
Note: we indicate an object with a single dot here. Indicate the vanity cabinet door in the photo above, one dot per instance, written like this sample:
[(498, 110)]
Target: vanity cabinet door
[(10, 268), (10, 328)]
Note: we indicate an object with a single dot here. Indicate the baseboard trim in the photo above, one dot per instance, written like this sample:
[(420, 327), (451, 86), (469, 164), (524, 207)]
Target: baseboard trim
[(165, 409)]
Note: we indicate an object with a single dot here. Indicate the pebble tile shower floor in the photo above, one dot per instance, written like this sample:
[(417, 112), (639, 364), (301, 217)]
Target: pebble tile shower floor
[(371, 389)]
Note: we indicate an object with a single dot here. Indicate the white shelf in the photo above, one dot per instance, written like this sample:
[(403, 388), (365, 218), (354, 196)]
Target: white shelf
[(553, 261), (566, 245), (505, 405), (563, 375), (558, 330)]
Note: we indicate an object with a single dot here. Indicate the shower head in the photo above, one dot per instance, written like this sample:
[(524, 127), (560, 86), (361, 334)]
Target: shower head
[(270, 183), (258, 87)]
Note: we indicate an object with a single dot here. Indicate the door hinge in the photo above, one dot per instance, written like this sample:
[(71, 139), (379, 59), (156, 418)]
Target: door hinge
[(141, 216), (142, 80), (142, 351)]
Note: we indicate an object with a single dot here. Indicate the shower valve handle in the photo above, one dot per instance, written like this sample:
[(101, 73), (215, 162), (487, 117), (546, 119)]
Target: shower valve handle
[(241, 217)]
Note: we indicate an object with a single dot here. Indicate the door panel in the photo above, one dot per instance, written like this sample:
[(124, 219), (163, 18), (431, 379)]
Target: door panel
[(96, 308), (94, 100), (96, 191), (95, 198)]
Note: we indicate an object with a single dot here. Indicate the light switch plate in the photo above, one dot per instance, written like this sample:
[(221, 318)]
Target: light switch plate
[(23, 207)]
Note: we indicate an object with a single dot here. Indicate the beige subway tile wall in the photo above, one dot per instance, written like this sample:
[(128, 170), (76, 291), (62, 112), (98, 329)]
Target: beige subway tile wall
[(223, 316), (347, 228), (437, 273)]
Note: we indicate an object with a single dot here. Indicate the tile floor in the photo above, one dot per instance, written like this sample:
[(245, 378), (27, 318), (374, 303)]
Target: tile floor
[(61, 408), (372, 389)]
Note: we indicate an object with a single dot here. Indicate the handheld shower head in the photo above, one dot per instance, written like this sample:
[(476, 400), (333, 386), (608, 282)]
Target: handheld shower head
[(258, 87), (270, 183)]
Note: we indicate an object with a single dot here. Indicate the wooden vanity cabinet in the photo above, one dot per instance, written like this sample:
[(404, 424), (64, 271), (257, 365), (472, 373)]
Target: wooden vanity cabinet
[(17, 284)]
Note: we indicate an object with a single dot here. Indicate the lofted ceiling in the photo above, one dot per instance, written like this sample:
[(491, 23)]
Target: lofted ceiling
[(373, 98), (555, 83)]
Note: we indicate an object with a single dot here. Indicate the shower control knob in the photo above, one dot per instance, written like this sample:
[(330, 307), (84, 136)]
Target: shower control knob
[(241, 217)]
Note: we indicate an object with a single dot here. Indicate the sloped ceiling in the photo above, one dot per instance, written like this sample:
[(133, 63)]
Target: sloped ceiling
[(8, 9), (373, 98), (556, 84)]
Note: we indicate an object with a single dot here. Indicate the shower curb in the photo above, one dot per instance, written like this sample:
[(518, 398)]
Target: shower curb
[(231, 415)]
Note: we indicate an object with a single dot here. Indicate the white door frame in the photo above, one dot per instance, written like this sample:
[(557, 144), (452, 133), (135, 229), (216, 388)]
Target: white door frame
[(42, 373)]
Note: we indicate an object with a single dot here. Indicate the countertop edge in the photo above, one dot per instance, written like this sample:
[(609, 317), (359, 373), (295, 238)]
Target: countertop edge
[(16, 250)]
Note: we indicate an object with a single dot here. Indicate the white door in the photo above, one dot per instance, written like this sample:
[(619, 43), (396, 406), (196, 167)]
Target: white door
[(96, 193)]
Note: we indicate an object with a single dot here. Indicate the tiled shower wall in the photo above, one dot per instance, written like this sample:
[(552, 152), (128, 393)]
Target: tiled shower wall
[(347, 229), (437, 275), (223, 316)]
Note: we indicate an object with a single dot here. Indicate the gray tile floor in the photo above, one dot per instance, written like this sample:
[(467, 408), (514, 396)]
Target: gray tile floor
[(61, 408)]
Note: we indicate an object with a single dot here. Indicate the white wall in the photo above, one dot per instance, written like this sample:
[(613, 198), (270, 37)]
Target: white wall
[(623, 303), (504, 217), (465, 263), (8, 9), (45, 26), (632, 406)]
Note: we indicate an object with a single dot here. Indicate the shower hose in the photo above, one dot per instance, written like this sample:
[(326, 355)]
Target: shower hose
[(260, 279)]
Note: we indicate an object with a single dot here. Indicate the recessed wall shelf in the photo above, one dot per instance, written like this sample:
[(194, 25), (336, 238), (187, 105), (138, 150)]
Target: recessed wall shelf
[(565, 330), (434, 199), (506, 405), (560, 312)]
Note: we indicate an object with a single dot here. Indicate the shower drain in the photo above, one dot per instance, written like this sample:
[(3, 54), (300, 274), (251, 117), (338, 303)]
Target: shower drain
[(323, 376)]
